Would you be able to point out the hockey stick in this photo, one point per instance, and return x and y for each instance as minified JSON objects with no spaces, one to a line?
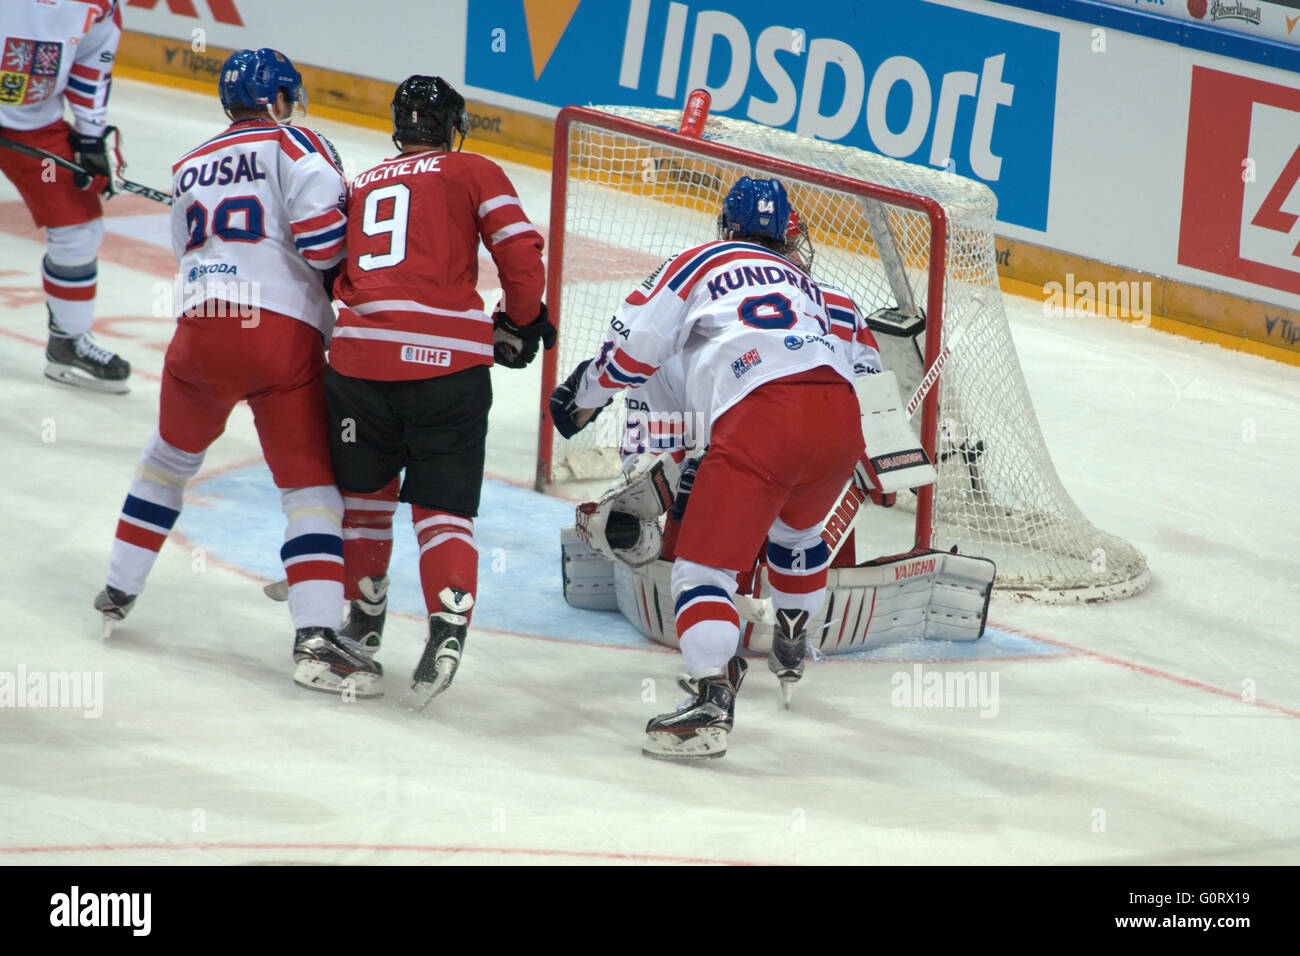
{"x":949,"y":341}
{"x":858,"y":489}
{"x":126,"y":185}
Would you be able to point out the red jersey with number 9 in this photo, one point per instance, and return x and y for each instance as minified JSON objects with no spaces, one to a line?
{"x":410,"y":304}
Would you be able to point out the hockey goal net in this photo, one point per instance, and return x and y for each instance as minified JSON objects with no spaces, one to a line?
{"x":628,"y":191}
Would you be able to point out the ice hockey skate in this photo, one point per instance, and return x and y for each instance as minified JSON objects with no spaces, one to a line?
{"x":789,"y":647}
{"x":114,"y":605}
{"x":323,"y":662}
{"x":442,"y":651}
{"x":698,"y":729}
{"x":80,"y":361}
{"x":364,"y":627}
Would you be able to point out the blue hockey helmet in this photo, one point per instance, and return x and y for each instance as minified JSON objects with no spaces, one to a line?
{"x":250,"y":79}
{"x":757,"y":208}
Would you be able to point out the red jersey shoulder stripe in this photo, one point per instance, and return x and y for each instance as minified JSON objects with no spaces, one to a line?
{"x":324,"y":220}
{"x":228,"y":138}
{"x":632,"y":365}
{"x":684,"y":287}
{"x":321,"y":148}
{"x":299,"y":142}
{"x":680,"y":261}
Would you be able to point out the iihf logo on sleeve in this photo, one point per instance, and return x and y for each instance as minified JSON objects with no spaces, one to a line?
{"x":74,"y":909}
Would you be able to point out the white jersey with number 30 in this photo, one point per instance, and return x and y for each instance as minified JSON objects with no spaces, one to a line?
{"x":739,"y":315}
{"x":258,"y":211}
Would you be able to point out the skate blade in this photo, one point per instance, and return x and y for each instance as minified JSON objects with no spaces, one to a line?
{"x":706,"y":744}
{"x":787,"y":691}
{"x":106,"y":628}
{"x":423,"y":691}
{"x":277,"y":590}
{"x":79,"y":379}
{"x":316,"y":675}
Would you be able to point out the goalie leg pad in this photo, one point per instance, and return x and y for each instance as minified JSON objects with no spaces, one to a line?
{"x":588,"y":574}
{"x":923,"y":594}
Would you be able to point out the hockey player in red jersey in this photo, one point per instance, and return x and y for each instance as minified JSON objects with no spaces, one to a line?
{"x":258,"y":217}
{"x":408,"y":383}
{"x":762,"y":364}
{"x":52,"y":51}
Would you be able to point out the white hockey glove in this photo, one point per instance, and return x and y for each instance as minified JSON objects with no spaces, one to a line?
{"x":624,"y":524}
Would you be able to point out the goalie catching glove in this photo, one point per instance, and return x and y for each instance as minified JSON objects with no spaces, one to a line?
{"x":515,"y":346}
{"x":624,"y":524}
{"x":567,"y":417}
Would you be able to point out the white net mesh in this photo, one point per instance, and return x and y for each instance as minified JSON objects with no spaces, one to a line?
{"x":630,"y":203}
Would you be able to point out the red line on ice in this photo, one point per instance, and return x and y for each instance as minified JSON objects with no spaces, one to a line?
{"x":1155,"y":672}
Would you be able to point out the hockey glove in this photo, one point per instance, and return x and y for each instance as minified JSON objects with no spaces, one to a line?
{"x":565,"y":413}
{"x":91,"y":152}
{"x":515,"y":346}
{"x":327,"y":277}
{"x":864,"y":476}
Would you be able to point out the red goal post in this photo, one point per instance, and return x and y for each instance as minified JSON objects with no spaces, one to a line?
{"x":629,"y":191}
{"x":797,"y":178}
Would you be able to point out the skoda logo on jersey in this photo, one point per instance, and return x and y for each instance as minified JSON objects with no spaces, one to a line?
{"x":217,"y":268}
{"x":793,"y":343}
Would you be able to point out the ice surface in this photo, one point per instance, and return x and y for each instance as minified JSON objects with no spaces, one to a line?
{"x":1160,"y":729}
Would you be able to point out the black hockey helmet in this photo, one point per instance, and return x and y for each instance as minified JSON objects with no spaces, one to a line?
{"x":427,"y":109}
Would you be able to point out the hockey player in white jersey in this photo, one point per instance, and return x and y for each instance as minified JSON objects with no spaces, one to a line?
{"x":52,"y":51}
{"x":658,"y":422}
{"x":774,"y":384}
{"x":257,"y":220}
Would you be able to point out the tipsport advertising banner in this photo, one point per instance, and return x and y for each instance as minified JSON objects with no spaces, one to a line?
{"x":924,"y":83}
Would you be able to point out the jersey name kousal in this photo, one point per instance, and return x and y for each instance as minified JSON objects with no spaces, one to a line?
{"x":221,"y":172}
